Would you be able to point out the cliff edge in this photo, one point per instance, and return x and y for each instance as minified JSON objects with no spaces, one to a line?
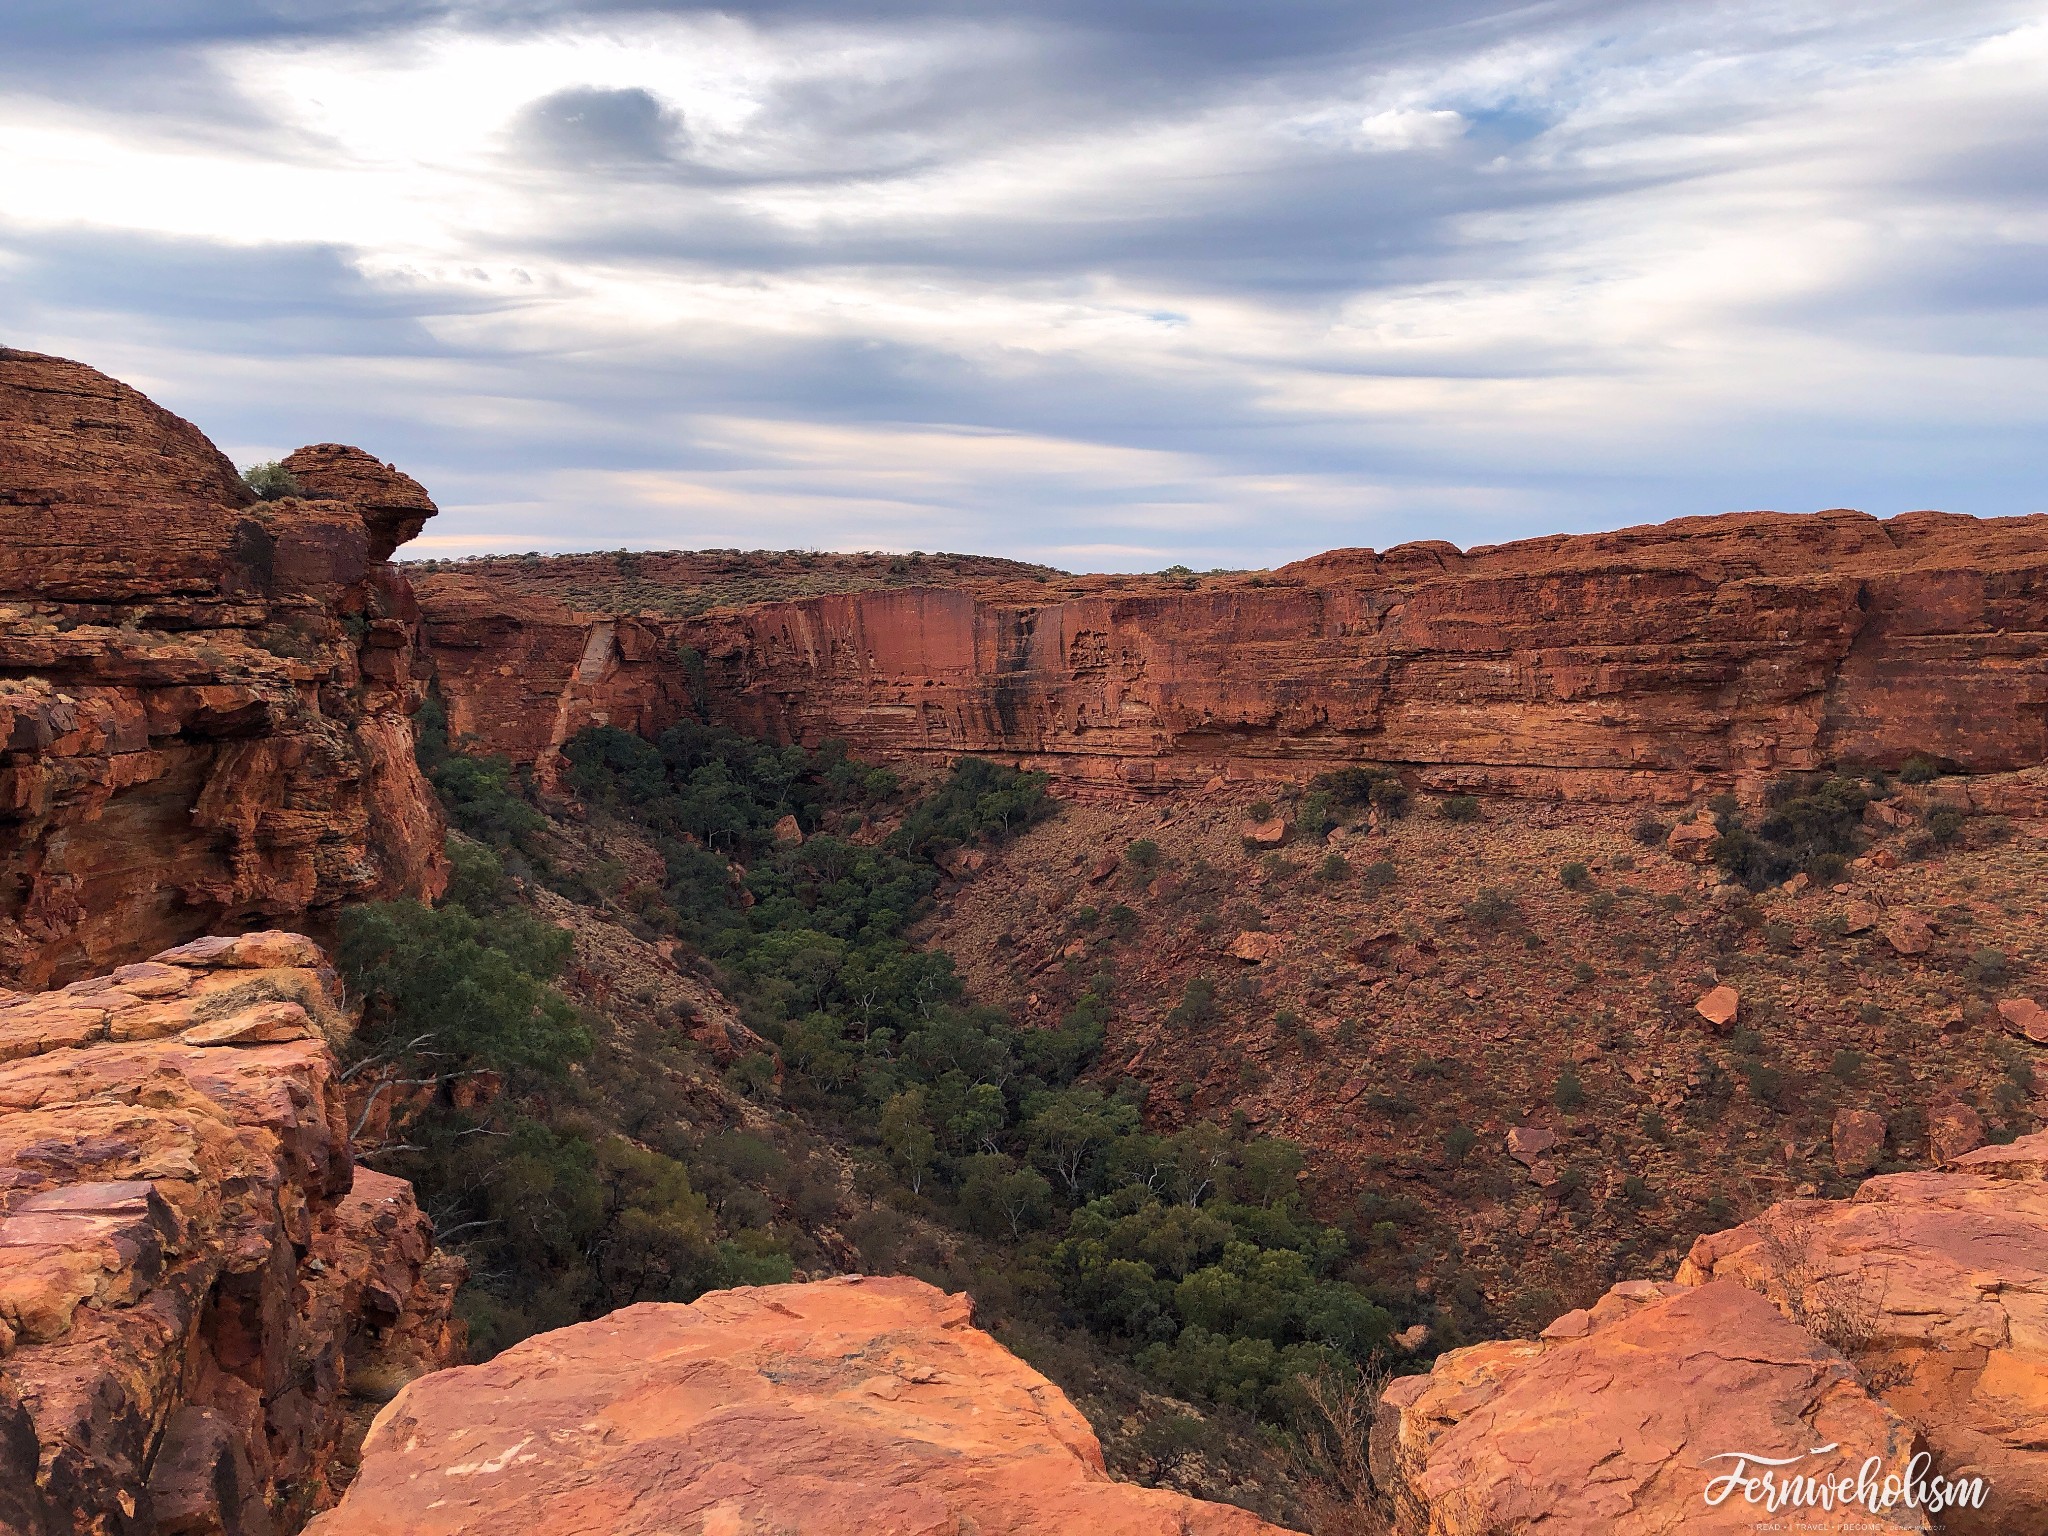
{"x":203,"y":696}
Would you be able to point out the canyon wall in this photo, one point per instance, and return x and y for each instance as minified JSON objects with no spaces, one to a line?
{"x":201,"y":1298}
{"x":203,"y":697}
{"x":1650,"y":664}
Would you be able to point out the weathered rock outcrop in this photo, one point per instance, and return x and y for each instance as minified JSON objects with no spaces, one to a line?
{"x":1936,"y":1286}
{"x":838,"y":1408}
{"x":195,"y":1283}
{"x":1652,"y":663}
{"x":1911,"y":1318}
{"x":203,"y":697}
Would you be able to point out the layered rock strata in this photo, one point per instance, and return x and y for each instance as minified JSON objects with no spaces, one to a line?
{"x":839,"y":1408}
{"x":197,"y":1288}
{"x":1825,"y":1334}
{"x":1651,"y":663}
{"x":203,"y":697}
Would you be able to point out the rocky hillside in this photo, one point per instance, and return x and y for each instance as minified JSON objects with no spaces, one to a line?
{"x":202,"y":1298}
{"x":1652,"y":664}
{"x":203,"y":696}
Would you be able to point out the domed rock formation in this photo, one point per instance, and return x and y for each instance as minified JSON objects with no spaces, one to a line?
{"x":203,"y":698}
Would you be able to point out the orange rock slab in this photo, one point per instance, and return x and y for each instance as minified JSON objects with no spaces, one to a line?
{"x":192,"y":1273}
{"x":850,"y":1407}
{"x":1613,"y":1423}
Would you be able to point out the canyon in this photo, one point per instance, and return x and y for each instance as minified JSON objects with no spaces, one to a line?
{"x":1656,"y":1166}
{"x":1652,"y":664}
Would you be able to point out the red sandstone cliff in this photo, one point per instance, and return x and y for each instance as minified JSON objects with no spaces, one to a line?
{"x":203,"y":698}
{"x":1652,"y":663}
{"x":197,"y":1288}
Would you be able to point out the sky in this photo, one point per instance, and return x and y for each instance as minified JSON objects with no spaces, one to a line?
{"x":1109,"y":284}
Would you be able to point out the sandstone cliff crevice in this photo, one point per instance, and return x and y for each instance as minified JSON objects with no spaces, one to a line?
{"x":203,"y":697}
{"x":199,"y":1292}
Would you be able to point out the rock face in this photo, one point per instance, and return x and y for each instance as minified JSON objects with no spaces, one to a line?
{"x":1654,"y":662}
{"x":203,"y":698}
{"x":1912,"y":1316}
{"x":192,"y":1275}
{"x":835,"y":1408}
{"x":1610,"y":1422}
{"x":1936,"y":1286}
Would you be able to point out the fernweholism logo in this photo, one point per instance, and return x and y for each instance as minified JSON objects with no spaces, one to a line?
{"x":1770,"y":1481}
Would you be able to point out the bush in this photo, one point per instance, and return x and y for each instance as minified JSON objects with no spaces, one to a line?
{"x":1458,"y":808}
{"x":1988,"y":967}
{"x":1492,"y":908}
{"x":1569,"y":1093}
{"x":1805,"y":828}
{"x":1380,"y":788}
{"x":1919,"y":769}
{"x":1945,"y":823}
{"x":270,"y":480}
{"x":1651,"y":832}
{"x":1575,"y":877}
{"x":1143,"y":854}
{"x":1197,"y":1005}
{"x":1459,"y":1141}
{"x":1380,"y":875}
{"x":1333,"y":868}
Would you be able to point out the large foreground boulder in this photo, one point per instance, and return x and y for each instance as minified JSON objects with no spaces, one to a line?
{"x":851,"y":1407}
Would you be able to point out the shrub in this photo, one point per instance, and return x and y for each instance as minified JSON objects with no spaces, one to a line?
{"x":1312,"y":818}
{"x":1459,"y":1141}
{"x":1575,"y":877}
{"x":1381,"y":788}
{"x":1380,"y":875}
{"x":1988,"y":967}
{"x":1569,"y":1093}
{"x":1651,"y":832}
{"x":1919,"y":769}
{"x":1492,"y":907}
{"x":1847,"y":1067}
{"x":1803,"y":828}
{"x":270,"y":480}
{"x":1945,"y":823}
{"x":1458,"y":808}
{"x":1262,"y":810}
{"x":1197,"y":1004}
{"x":1143,"y":854}
{"x":1333,"y":868}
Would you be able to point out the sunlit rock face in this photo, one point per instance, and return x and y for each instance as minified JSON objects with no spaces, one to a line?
{"x":201,"y":1297}
{"x":1650,"y":664}
{"x":203,"y":697}
{"x":839,"y":1408}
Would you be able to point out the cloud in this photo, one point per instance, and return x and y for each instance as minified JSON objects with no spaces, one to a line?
{"x":1103,"y":277}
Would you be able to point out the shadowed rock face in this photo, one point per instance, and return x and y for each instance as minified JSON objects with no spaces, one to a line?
{"x":1652,"y":663}
{"x":840,"y":1408}
{"x":203,"y":698}
{"x":192,"y":1274}
{"x":1914,"y":1315}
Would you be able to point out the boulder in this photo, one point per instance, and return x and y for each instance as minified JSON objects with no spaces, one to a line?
{"x":2025,"y":1018}
{"x":1527,"y":1143}
{"x":1270,"y":833}
{"x":1952,"y":1130}
{"x":1909,"y":933}
{"x":1253,"y":946}
{"x":849,"y":1407}
{"x":1693,"y":840}
{"x":1861,"y":916}
{"x":788,"y":834}
{"x":1617,"y":1419}
{"x":1719,"y":1007}
{"x":1858,"y":1139}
